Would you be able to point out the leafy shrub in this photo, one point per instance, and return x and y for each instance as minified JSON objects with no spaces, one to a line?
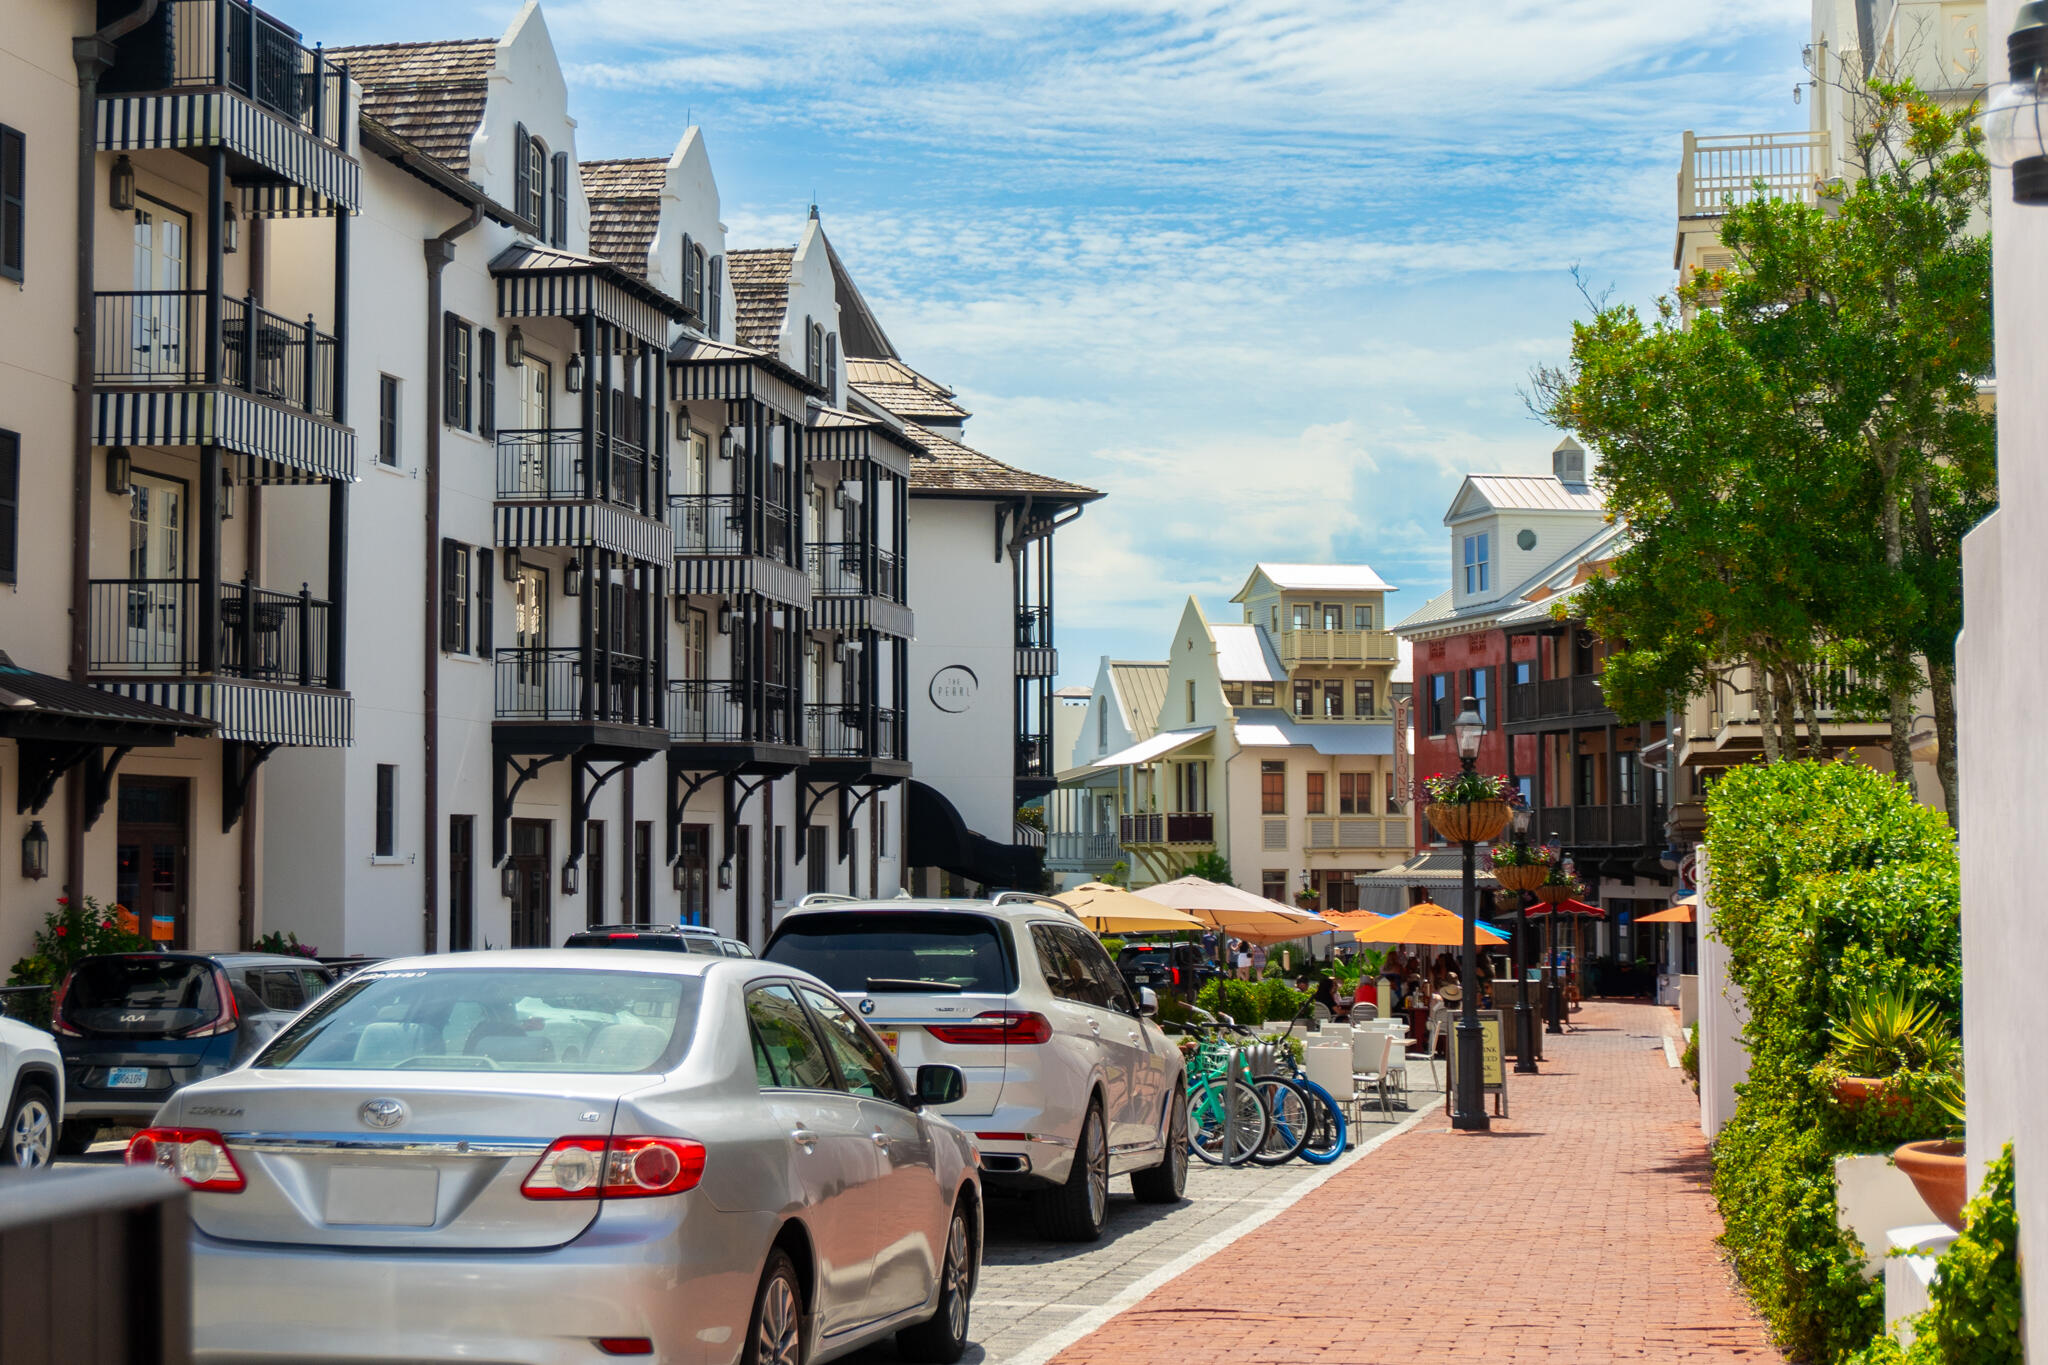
{"x":1891,"y":1030}
{"x":1241,"y":1000}
{"x":70,"y":932}
{"x":287,"y":945}
{"x":1280,"y":1000}
{"x":1829,"y":884}
{"x":1689,"y":1059}
{"x":1112,"y":946}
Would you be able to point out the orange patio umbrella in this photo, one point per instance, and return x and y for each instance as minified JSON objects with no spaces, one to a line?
{"x":1430,"y":925}
{"x":1354,"y":921}
{"x":1677,"y":914}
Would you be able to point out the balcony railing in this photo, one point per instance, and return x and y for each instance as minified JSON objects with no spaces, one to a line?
{"x":835,"y":730}
{"x":548,"y":465}
{"x":1034,"y":627}
{"x":1555,"y":697}
{"x":719,"y":712}
{"x":151,"y":626}
{"x":1718,"y":171}
{"x":1070,"y":852}
{"x":839,"y":568}
{"x":1172,"y":827}
{"x":1034,"y":756}
{"x":717,"y":524}
{"x":1299,"y":646}
{"x":547,"y":684}
{"x":229,"y":44}
{"x":1576,"y":825}
{"x":158,"y":337}
{"x":1348,"y":831}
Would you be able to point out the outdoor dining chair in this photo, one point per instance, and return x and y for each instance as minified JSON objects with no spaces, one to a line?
{"x":1376,"y":1078}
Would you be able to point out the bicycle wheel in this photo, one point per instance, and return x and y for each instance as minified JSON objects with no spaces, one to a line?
{"x":1293,"y":1120}
{"x":1221,"y":1140}
{"x":1327,"y":1129}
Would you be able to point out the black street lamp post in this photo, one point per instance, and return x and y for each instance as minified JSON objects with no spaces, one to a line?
{"x":1553,"y":995}
{"x":1525,"y":1018}
{"x":1470,"y":1114}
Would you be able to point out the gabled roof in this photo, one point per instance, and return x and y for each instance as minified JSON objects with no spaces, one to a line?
{"x":891,"y":384}
{"x":1262,"y":729}
{"x":760,"y":288}
{"x":430,"y":94}
{"x":1436,"y":609}
{"x":1316,"y":578}
{"x":1140,"y":689}
{"x":948,"y":469}
{"x":860,"y":331}
{"x":625,"y":208}
{"x":1245,"y":653}
{"x":1554,"y":579}
{"x":1521,"y":493}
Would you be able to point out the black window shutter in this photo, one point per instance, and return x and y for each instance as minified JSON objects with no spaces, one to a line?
{"x":689,"y":274}
{"x":714,"y":294}
{"x":452,"y":361}
{"x":832,"y":361}
{"x":487,"y":384}
{"x":13,"y":201}
{"x":522,"y":179}
{"x":810,"y":350}
{"x":558,"y":212}
{"x":452,"y":592}
{"x":10,"y":506}
{"x":484,"y":581}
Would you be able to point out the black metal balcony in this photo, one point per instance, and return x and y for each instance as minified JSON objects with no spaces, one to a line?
{"x":1034,"y":627}
{"x":721,"y":712}
{"x":1555,"y":699}
{"x":722,"y":524}
{"x":849,"y":730}
{"x":157,"y":337}
{"x":550,"y":465}
{"x":1034,"y":756}
{"x":1597,"y":825}
{"x":230,"y":45}
{"x":1173,"y":827}
{"x":844,"y":568}
{"x":151,"y":626}
{"x":548,"y":685}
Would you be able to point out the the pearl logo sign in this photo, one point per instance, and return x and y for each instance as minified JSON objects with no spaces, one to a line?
{"x":953,"y":688}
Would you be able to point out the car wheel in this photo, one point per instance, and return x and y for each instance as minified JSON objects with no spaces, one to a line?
{"x":943,"y":1338}
{"x":31,"y":1132}
{"x":75,"y":1136}
{"x":775,"y":1335}
{"x":1166,"y":1182}
{"x":1076,"y":1210}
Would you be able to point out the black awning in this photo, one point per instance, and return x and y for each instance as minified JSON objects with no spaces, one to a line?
{"x":936,"y":836}
{"x":36,"y":706}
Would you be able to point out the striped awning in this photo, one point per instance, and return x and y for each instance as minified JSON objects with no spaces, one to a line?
{"x":728,"y":576}
{"x":545,"y":282}
{"x":579,"y":525}
{"x":835,"y":435}
{"x":256,"y":712}
{"x":710,"y":370}
{"x":859,"y":613}
{"x":280,"y":444}
{"x":1037,"y":663}
{"x":327,"y":176}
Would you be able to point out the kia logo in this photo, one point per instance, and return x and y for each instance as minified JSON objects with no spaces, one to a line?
{"x":382,"y":1113}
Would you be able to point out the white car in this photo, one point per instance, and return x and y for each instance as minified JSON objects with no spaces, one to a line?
{"x":1068,"y":1080}
{"x":32,"y":1082}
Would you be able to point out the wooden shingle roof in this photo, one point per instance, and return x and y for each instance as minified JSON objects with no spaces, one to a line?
{"x":893,"y":385}
{"x":430,"y":94}
{"x":948,"y":469}
{"x":760,"y":287}
{"x":625,"y":208}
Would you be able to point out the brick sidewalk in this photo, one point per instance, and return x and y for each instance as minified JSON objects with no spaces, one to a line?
{"x":1580,"y":1230}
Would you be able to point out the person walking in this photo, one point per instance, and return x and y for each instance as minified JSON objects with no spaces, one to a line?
{"x":1243,"y":959}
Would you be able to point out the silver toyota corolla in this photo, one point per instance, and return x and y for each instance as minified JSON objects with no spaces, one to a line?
{"x":556,"y":1156}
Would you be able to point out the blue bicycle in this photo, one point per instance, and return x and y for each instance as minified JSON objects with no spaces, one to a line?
{"x":1307,"y":1120}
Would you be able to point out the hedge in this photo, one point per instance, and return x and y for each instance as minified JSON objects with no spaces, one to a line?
{"x":1827,"y":881}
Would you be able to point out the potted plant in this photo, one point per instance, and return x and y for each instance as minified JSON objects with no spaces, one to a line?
{"x":1467,"y":807}
{"x":1520,"y":867}
{"x":1887,"y":1032}
{"x":1307,"y":898}
{"x":1936,"y":1166}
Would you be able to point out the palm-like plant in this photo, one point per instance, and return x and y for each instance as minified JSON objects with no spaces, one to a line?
{"x":1893,"y":1030}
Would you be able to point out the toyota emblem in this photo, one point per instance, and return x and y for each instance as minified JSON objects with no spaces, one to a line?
{"x":382,"y":1113}
{"x":867,"y":1007}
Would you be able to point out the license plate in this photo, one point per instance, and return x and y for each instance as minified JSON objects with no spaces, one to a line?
{"x":127,"y":1078}
{"x":382,"y":1196}
{"x":888,"y":1038}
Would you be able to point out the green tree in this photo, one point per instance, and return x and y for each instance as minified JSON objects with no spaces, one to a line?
{"x":1211,"y":867}
{"x":1798,"y":445}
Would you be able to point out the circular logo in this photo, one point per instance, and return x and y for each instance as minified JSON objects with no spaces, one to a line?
{"x":382,"y":1113}
{"x":953,"y":688}
{"x":867,"y":1007}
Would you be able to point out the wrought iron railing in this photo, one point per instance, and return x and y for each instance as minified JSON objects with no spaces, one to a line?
{"x":547,"y":684}
{"x":230,"y":44}
{"x":1170,"y":827}
{"x":1034,"y":756}
{"x":1034,"y":627}
{"x":842,"y":730}
{"x":721,"y":712}
{"x":158,"y":336}
{"x":549,"y":465}
{"x":151,"y":626}
{"x":1555,"y":697}
{"x":718,"y":524}
{"x":839,"y":568}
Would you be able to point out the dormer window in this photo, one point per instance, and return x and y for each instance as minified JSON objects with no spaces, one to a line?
{"x":1476,"y":579}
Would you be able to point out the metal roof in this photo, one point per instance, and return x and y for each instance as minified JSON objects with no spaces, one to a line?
{"x":1527,"y":493}
{"x":1140,"y":690}
{"x":1245,"y":653}
{"x":1158,"y":746}
{"x":1317,"y":578}
{"x":1272,"y":729}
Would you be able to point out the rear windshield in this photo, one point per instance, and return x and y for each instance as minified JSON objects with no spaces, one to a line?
{"x":141,"y":995}
{"x":496,"y":1019}
{"x":849,"y":949}
{"x":626,"y":938}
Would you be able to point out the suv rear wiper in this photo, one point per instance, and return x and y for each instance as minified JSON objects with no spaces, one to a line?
{"x":898,"y":983}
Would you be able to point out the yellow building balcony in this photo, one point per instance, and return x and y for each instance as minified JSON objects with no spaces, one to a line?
{"x":1299,"y":647}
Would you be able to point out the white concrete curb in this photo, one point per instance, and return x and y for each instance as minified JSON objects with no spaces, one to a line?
{"x":1051,"y":1345}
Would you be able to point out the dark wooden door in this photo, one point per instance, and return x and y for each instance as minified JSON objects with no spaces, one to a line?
{"x":532,"y":924}
{"x":153,"y":857}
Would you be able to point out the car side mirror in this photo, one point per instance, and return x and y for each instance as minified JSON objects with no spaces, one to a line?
{"x":938,"y":1084}
{"x":1148,"y":1002}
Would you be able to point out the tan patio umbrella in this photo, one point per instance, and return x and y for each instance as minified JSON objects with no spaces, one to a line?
{"x":1231,"y":911}
{"x":1429,"y":925}
{"x":1110,"y":909}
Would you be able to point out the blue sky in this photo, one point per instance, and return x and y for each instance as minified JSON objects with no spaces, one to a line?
{"x":1271,"y":275}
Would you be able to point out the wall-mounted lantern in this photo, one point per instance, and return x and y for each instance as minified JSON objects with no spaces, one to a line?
{"x":119,"y":470}
{"x":35,"y":852}
{"x":230,"y":230}
{"x":573,"y":376}
{"x":2014,"y":123}
{"x":508,"y":879}
{"x":121,"y":185}
{"x":515,"y":348}
{"x":572,"y":579}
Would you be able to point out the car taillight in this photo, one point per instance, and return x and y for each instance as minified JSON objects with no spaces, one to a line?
{"x":615,"y":1168}
{"x":57,"y":1024}
{"x":197,"y":1156}
{"x":230,"y":1013}
{"x":619,"y":936}
{"x":996,"y":1026}
{"x":1176,"y":976}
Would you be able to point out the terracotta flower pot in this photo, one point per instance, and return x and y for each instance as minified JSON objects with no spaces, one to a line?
{"x":1853,"y":1091}
{"x":1938,"y":1172}
{"x":1526,"y":878}
{"x":1476,"y":822}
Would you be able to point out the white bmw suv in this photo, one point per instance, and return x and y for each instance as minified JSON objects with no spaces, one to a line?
{"x":1068,"y":1079}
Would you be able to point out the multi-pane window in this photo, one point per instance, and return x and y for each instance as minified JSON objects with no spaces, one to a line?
{"x":1333,"y":617}
{"x":10,"y":507}
{"x":1477,"y":687}
{"x":1361,"y":616}
{"x":1262,"y":694}
{"x":455,"y":372}
{"x":387,"y":420}
{"x":1304,"y":699}
{"x":1439,"y":703}
{"x":13,"y":202}
{"x":1273,"y":788}
{"x":1273,"y":883}
{"x":693,"y":872}
{"x":1628,"y":781}
{"x":1102,"y":727}
{"x":1587,"y":779}
{"x":1191,"y":701}
{"x":455,"y":604}
{"x":1523,"y":670}
{"x":1316,"y":782}
{"x":1302,"y":616}
{"x":1354,"y":793}
{"x":1476,"y":567}
{"x":536,"y":205}
{"x":387,"y":811}
{"x":1333,"y":699}
{"x":1362,"y":697}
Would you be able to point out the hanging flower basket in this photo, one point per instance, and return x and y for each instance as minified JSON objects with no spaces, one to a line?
{"x":1554,"y":893}
{"x":1520,"y":877}
{"x":1468,"y":822}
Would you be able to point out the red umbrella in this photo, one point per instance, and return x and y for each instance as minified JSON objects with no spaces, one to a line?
{"x":1565,"y":907}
